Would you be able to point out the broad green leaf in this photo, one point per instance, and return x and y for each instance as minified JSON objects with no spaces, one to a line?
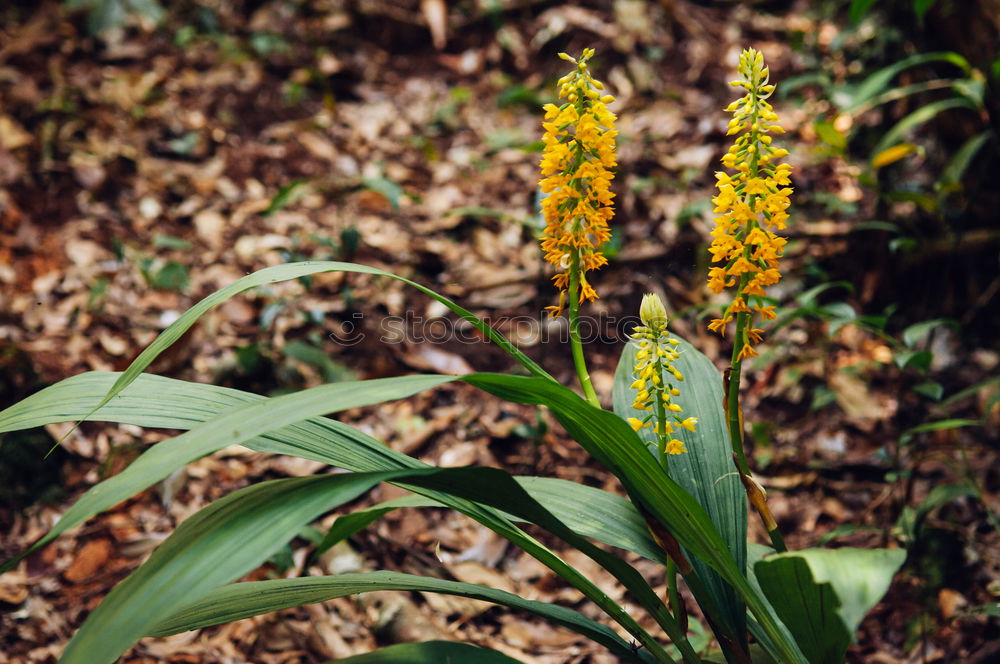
{"x":610,"y":440}
{"x":706,"y":470}
{"x":430,"y":652}
{"x":222,"y":542}
{"x":233,"y":427}
{"x":242,"y":600}
{"x":288,"y":272}
{"x":823,"y":594}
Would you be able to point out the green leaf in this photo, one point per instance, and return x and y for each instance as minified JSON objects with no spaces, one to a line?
{"x":430,"y":652}
{"x":921,"y":7}
{"x":589,"y":511}
{"x":288,"y":272}
{"x":242,"y":600}
{"x":706,"y":470}
{"x":859,"y":8}
{"x":919,"y":117}
{"x":353,"y":523}
{"x":613,"y":443}
{"x":952,"y":174}
{"x":222,"y":542}
{"x":908,"y":525}
{"x":849,"y":98}
{"x":830,"y":135}
{"x":497,"y":489}
{"x":233,"y":427}
{"x":939,"y":425}
{"x":286,"y":195}
{"x":991,"y":609}
{"x":823,"y":594}
{"x":916,"y":333}
{"x":153,"y":401}
{"x":388,"y":188}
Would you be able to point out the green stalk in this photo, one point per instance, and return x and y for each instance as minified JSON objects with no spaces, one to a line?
{"x":579,"y":361}
{"x":676,"y":603}
{"x":661,"y":423}
{"x":734,"y":414}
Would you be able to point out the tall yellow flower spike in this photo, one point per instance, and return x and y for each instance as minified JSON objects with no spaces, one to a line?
{"x":579,"y":153}
{"x":752,"y":204}
{"x":655,"y":375}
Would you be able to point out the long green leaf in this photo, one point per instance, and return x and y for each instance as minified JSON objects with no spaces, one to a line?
{"x":917,"y":118}
{"x":234,"y":426}
{"x":288,"y":272}
{"x":242,"y":600}
{"x":610,"y":440}
{"x":222,"y":542}
{"x":706,"y":470}
{"x":431,"y":652}
{"x":850,"y":97}
{"x":167,"y":403}
{"x":588,"y":511}
{"x":321,"y":439}
{"x":498,"y":489}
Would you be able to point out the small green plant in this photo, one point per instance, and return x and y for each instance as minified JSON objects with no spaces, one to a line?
{"x":674,"y":440}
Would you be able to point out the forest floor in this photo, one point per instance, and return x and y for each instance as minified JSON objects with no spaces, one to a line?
{"x":140,"y":172}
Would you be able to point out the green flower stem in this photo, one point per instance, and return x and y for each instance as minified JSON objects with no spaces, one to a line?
{"x":661,"y":424}
{"x":676,"y":603}
{"x":579,"y":361}
{"x":735,"y":422}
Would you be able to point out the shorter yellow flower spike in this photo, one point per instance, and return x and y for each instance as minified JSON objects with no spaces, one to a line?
{"x":655,"y":374}
{"x":577,"y":164}
{"x":751,"y":205}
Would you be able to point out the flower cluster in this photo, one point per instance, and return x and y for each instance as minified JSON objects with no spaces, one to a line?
{"x":576,"y":178}
{"x":654,"y":368}
{"x":752,"y":204}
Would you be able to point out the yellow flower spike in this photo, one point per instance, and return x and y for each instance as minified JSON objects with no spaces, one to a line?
{"x":751,"y":205}
{"x":653,"y":371}
{"x":576,"y":176}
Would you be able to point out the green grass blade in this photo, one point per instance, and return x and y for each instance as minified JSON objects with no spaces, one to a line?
{"x":242,"y":600}
{"x":706,"y":470}
{"x":222,"y":542}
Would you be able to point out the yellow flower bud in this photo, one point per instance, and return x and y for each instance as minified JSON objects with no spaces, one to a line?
{"x":652,"y":313}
